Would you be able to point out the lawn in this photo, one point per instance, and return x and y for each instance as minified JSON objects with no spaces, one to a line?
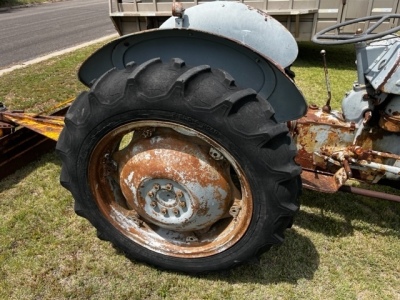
{"x":341,"y":246}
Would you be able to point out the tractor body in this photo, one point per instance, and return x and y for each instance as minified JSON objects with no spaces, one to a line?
{"x":361,"y":142}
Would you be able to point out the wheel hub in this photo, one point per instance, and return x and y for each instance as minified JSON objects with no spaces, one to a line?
{"x":166,"y":201}
{"x":175,"y":183}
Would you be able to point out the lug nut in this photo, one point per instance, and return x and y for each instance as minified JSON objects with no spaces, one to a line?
{"x":191,"y":238}
{"x":182,"y":204}
{"x":164,"y":211}
{"x":176,"y":211}
{"x":146,"y":133}
{"x":156,"y":186}
{"x":153,"y":204}
{"x":168,"y":186}
{"x":215,"y":154}
{"x":150,"y":194}
{"x":179,"y":194}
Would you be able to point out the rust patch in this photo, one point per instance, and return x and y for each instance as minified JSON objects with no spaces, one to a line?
{"x":390,"y":123}
{"x":168,"y":156}
{"x":317,"y":116}
{"x":5,"y":128}
{"x":304,"y":158}
{"x":49,"y":126}
{"x":22,"y":146}
{"x":318,"y":182}
{"x":207,"y":240}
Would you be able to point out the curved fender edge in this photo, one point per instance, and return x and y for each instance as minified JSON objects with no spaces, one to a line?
{"x":250,"y":68}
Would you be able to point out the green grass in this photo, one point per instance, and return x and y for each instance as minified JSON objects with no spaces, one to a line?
{"x":341,"y":246}
{"x":42,"y":86}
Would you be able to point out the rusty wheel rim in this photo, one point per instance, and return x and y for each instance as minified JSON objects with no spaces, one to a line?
{"x":170,"y":189}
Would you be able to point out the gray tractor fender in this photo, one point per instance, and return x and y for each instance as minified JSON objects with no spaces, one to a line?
{"x":249,"y":68}
{"x":243,"y":23}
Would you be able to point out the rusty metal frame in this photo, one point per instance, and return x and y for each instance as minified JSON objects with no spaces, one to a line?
{"x":21,"y":144}
{"x":48,"y":126}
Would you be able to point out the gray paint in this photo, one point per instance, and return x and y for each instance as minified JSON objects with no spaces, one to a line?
{"x":247,"y":25}
{"x":382,"y":73}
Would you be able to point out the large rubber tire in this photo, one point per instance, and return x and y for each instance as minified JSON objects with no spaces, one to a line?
{"x":197,"y":114}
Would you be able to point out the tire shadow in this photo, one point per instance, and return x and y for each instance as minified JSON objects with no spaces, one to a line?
{"x":296,"y":259}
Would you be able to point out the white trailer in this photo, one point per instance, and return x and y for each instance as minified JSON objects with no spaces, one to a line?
{"x":303,"y":18}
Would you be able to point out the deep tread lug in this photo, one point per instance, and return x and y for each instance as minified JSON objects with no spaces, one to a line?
{"x":178,"y":63}
{"x":193,"y":72}
{"x":142,"y":68}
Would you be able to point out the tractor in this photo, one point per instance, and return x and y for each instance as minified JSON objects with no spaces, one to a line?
{"x":190,"y":150}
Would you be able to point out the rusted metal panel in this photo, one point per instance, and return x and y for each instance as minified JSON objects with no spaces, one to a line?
{"x":5,"y":128}
{"x":335,"y":150}
{"x":390,"y":123}
{"x":318,"y":181}
{"x":19,"y":148}
{"x":49,"y":126}
{"x":319,"y":131}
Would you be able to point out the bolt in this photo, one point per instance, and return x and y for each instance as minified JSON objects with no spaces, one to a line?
{"x":156,"y":186}
{"x":191,"y":238}
{"x":168,"y":186}
{"x":150,"y":194}
{"x":234,"y":211}
{"x":164,"y":211}
{"x":182,"y":204}
{"x":153,"y":204}
{"x":146,"y":133}
{"x":179,"y":194}
{"x":215,"y":154}
{"x":176,"y":211}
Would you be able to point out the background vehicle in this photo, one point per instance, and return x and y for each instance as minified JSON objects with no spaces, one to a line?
{"x":177,"y":164}
{"x":303,"y":18}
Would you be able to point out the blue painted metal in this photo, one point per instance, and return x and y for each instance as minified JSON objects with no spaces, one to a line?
{"x":250,"y":68}
{"x":383,"y":72}
{"x":354,"y":105}
{"x":245,"y":24}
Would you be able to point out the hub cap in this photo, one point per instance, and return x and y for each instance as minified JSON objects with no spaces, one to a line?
{"x":170,"y":189}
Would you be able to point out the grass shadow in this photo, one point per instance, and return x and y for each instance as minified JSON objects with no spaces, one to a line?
{"x":13,"y":179}
{"x":346,"y":213}
{"x":338,"y":57}
{"x":297,"y":258}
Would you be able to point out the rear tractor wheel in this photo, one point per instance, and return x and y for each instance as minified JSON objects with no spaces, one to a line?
{"x":178,"y":167}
